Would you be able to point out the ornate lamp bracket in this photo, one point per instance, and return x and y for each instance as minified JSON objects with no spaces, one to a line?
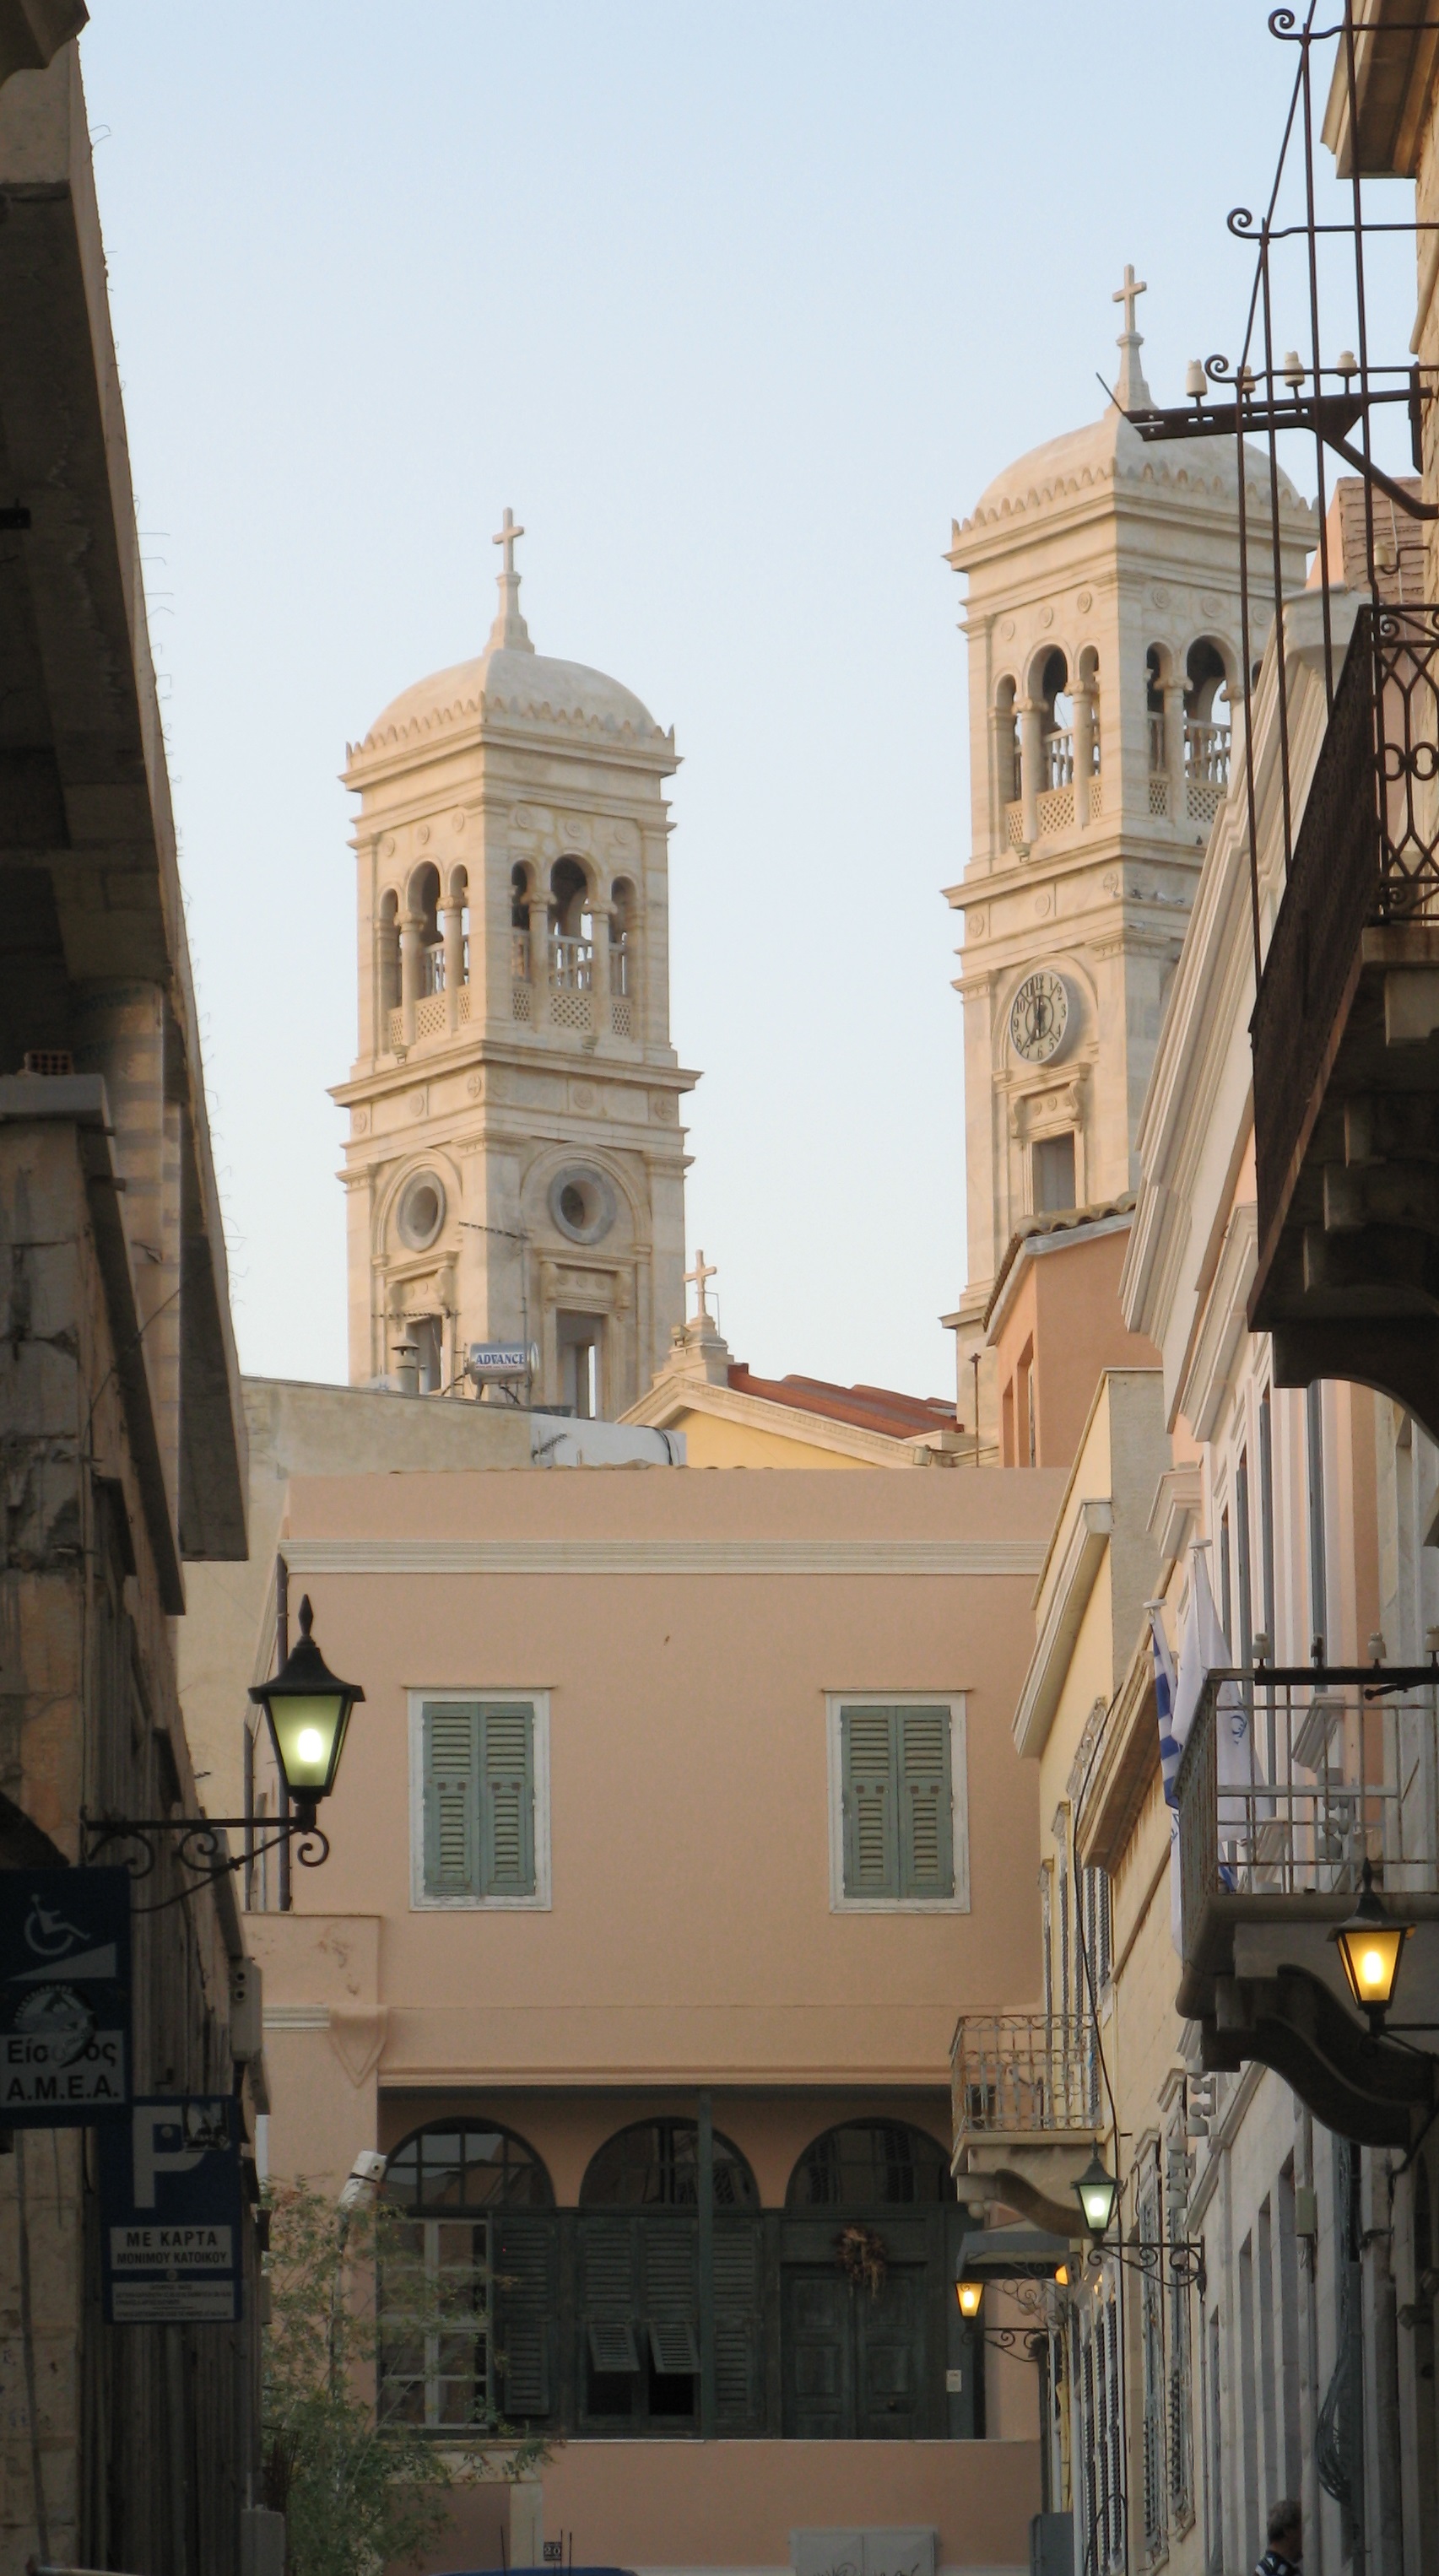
{"x":199,"y":1845}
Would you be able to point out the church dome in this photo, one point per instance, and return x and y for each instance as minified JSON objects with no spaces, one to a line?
{"x":501,"y":681}
{"x":511,"y":680}
{"x":1110,"y":451}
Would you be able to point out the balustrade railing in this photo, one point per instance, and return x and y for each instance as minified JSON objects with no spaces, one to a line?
{"x":519,"y":956}
{"x":1057,"y":760}
{"x":571,"y":965}
{"x":432,"y":966}
{"x":1206,"y":754}
{"x":1032,"y":2074}
{"x":1158,"y":757}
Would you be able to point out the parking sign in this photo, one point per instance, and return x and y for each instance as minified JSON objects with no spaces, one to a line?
{"x":171,"y":2212}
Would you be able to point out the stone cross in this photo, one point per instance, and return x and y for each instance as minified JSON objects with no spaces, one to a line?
{"x":509,"y":531}
{"x":1128,"y":295}
{"x":701,"y":1274}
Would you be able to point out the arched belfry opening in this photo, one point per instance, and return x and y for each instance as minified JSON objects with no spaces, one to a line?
{"x":513,"y":858}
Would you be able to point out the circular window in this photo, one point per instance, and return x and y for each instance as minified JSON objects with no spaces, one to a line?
{"x":421,"y":1211}
{"x":582,"y":1203}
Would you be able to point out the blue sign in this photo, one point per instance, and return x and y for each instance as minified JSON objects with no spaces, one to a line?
{"x":64,"y":1997}
{"x":171,"y":2213}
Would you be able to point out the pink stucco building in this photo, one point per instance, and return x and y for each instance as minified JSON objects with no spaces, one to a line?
{"x":681,"y":1817}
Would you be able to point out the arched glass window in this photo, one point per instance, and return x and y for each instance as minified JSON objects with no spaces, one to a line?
{"x":445,"y":2191}
{"x":655,"y":2165}
{"x":452,"y":2165}
{"x":871,"y":2164}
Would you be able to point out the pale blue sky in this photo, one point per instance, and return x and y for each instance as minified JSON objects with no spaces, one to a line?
{"x":737,"y":307}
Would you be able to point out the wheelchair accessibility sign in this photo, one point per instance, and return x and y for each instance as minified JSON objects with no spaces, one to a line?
{"x":171,"y":2213}
{"x":64,"y":1997}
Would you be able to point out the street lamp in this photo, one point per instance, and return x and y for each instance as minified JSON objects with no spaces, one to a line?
{"x":308,"y":1709}
{"x":1096,"y":2192}
{"x":1370,"y":1946}
{"x":969,"y":2295}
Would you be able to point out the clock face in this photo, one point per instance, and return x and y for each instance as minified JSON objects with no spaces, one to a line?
{"x":1039,"y":1016}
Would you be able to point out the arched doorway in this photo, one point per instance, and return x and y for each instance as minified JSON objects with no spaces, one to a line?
{"x":872,"y":2344}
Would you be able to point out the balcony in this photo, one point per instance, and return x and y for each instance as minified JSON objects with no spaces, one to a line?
{"x":1346,"y":1040}
{"x":1284,"y":1791}
{"x":1025,"y":2092}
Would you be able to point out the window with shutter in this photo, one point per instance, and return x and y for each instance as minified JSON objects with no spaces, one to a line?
{"x":479,"y":1799}
{"x":524,"y":2263}
{"x":897,"y":1802}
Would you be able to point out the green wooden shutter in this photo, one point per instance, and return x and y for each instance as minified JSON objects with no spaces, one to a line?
{"x":871,"y":1838}
{"x":739,"y":2326}
{"x":509,"y":1801}
{"x":926,"y":1835}
{"x":452,"y":1771}
{"x":524,"y":2270}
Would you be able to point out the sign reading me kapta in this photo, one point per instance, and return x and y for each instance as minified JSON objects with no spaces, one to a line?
{"x":64,"y":1997}
{"x":171,"y":2212}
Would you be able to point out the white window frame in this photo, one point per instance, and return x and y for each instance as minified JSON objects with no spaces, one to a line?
{"x":956,"y":1703}
{"x":421,"y":1901}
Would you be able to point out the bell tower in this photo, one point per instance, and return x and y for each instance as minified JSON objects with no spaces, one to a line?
{"x":1103,"y":622}
{"x":515,"y":1162}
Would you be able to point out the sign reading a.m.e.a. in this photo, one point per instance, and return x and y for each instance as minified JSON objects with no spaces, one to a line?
{"x":64,"y":1997}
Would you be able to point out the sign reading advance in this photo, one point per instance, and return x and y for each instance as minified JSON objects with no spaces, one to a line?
{"x":170,"y":2213}
{"x":64,"y":1996}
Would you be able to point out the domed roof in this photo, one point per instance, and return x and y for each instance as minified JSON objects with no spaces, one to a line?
{"x":526,"y":684}
{"x":510,"y":679}
{"x":1110,"y":450}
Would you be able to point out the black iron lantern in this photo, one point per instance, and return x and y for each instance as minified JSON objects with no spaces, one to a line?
{"x":1097,"y":2192}
{"x":1371,"y":1946}
{"x":308,"y":1709}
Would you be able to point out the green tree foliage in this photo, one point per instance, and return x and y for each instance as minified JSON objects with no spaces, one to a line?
{"x":355,"y":2495}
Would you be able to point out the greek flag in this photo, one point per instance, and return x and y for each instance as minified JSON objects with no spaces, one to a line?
{"x":1170,"y":1748}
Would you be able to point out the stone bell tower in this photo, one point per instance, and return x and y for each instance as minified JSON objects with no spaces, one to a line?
{"x":1103,"y":621}
{"x":515,"y":1162}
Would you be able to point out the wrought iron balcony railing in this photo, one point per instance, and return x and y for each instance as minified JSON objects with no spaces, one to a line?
{"x":1289,"y":1785}
{"x":1024,"y":2075}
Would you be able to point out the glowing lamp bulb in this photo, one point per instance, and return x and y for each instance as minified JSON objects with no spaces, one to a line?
{"x":969,"y":2295}
{"x":310,"y":1744}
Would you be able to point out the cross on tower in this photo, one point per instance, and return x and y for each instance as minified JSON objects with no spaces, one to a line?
{"x":509,"y":532}
{"x":1128,"y":295}
{"x":701,"y":1274}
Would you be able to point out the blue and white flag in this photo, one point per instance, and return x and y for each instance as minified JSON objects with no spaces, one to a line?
{"x":1170,"y":1749}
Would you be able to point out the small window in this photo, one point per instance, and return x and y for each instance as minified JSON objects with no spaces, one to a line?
{"x":482,"y":1825}
{"x":898,"y":1835}
{"x":1054,"y":1183}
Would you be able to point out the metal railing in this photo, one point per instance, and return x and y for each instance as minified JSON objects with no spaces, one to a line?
{"x":1289,"y":1785}
{"x":571,"y":965}
{"x":432,"y":967}
{"x":1366,"y":852}
{"x":1024,"y":2073}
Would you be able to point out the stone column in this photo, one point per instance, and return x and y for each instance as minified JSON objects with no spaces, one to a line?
{"x":1174,"y":746}
{"x":452,"y":926}
{"x":600,"y":966}
{"x":1031,"y":754}
{"x":1083,"y":753}
{"x":539,"y":911}
{"x":412,"y":931}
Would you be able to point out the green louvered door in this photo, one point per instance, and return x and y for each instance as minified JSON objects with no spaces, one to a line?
{"x":739,"y":2325}
{"x":524,"y":2264}
{"x":898,"y":1802}
{"x":479,"y":1793}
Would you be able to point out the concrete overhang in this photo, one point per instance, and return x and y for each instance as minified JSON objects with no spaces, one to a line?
{"x":85,"y":819}
{"x":1074,"y":1580}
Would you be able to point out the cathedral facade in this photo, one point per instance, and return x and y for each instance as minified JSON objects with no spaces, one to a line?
{"x":515,"y":1160}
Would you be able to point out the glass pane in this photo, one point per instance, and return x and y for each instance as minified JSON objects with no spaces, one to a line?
{"x":871,"y":2164}
{"x":450,"y":2167}
{"x":654,"y":2165}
